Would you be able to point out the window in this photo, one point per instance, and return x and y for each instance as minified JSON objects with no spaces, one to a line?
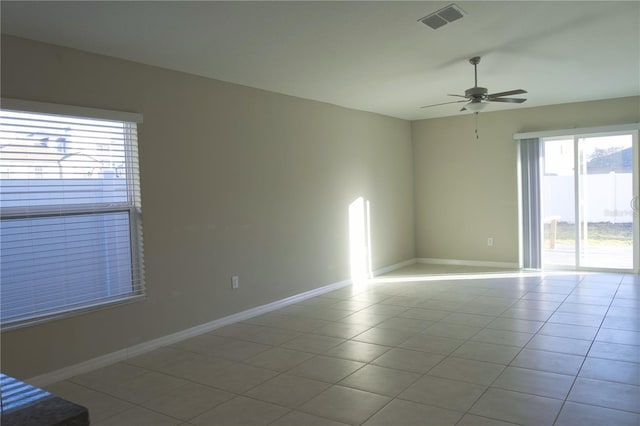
{"x":70,"y":216}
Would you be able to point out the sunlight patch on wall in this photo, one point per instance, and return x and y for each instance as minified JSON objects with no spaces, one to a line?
{"x":360,"y":240}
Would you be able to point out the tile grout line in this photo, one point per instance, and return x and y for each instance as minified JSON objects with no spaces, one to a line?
{"x":564,"y":402}
{"x":545,"y":322}
{"x":380,"y":298}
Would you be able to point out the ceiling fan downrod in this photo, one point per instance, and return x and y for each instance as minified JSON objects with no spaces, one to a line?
{"x":475,"y":61}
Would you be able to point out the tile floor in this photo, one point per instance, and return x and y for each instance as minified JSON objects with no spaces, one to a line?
{"x":411,"y":348}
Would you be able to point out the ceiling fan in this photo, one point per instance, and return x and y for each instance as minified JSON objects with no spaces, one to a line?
{"x":477,"y":98}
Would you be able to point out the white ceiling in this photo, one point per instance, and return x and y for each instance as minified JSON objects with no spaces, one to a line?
{"x":371,"y":56}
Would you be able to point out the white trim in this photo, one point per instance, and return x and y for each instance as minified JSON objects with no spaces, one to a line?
{"x":75,"y":111}
{"x":578,"y":204}
{"x":636,"y":193}
{"x":432,"y":261}
{"x":139,"y":349}
{"x":520,"y":209}
{"x":67,"y":313}
{"x":578,"y":131}
{"x":393,"y":267}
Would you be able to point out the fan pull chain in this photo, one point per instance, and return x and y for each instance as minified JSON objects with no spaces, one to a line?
{"x":477,"y":137}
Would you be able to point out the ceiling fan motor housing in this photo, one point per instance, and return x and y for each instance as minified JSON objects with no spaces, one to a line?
{"x":475,"y":93}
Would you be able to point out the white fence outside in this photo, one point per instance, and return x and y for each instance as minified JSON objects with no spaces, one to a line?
{"x":608,"y":198}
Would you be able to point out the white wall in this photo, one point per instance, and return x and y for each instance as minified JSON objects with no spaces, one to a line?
{"x":242,"y":181}
{"x":467,"y":189}
{"x":234,"y":180}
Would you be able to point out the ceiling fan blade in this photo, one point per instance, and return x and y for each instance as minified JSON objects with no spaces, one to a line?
{"x":443,"y":103}
{"x":508,"y":100}
{"x":508,"y":93}
{"x":459,"y":96}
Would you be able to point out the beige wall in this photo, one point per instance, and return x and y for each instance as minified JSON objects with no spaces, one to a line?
{"x":234,"y":181}
{"x":242,"y":181}
{"x":466,"y":189}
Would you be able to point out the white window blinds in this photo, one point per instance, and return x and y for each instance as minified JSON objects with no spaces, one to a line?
{"x":70,"y":228}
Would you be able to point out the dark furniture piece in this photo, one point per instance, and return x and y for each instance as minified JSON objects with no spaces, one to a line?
{"x":26,"y":405}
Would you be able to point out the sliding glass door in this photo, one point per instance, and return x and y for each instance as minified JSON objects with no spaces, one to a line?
{"x":588,"y":201}
{"x":558,"y":203}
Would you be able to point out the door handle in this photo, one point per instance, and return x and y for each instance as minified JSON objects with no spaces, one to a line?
{"x":634,"y":203}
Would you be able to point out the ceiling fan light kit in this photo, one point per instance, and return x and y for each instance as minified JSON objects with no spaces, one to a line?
{"x":477,"y":98}
{"x":475,"y":106}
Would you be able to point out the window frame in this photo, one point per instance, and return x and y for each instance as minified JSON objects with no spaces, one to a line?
{"x":575,"y":134}
{"x":133,"y":208}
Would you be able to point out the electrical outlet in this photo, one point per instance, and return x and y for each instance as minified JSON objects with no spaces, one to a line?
{"x":490,"y":242}
{"x":234,"y":282}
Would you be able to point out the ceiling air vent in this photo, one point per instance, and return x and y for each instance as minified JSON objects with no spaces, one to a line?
{"x":443,"y":16}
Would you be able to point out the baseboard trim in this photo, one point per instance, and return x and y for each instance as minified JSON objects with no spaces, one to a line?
{"x":141,"y":348}
{"x":73,"y":370}
{"x":393,"y":267}
{"x":458,"y":262}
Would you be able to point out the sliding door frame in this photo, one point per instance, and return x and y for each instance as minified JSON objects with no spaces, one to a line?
{"x":577,"y":134}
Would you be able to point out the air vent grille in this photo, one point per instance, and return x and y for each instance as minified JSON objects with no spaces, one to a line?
{"x":434,"y":21}
{"x":443,"y":16}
